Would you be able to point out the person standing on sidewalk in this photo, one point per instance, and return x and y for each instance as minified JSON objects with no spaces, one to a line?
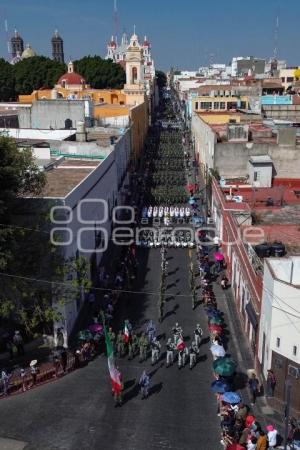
{"x":272,"y":437}
{"x":262,"y":441}
{"x":271,"y":383}
{"x":254,"y":387}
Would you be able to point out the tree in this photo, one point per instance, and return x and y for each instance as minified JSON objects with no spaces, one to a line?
{"x":161,"y":79}
{"x":35,"y":73}
{"x":101,"y":73}
{"x":7,"y":81}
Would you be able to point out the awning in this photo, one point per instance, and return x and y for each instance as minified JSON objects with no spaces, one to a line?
{"x":251,"y":314}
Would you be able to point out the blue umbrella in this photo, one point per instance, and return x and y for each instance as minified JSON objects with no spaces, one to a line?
{"x":219,"y":387}
{"x":231,"y":397}
{"x":213,"y":313}
{"x":192,"y":201}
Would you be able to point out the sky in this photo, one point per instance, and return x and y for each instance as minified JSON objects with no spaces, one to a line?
{"x":184,"y":34}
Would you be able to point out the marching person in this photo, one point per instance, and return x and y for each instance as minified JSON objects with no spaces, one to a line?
{"x":177,"y":332}
{"x":112,"y":337}
{"x":143,"y":347}
{"x":120,"y":344}
{"x":198,"y":333}
{"x":144,"y":384}
{"x":155,"y":350}
{"x":193,"y":351}
{"x":182,"y":354}
{"x":170,"y":352}
{"x":150,"y":330}
{"x":132,"y":346}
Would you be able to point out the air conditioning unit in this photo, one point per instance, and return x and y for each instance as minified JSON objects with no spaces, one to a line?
{"x":237,"y":198}
{"x":210,"y":221}
{"x":293,"y":371}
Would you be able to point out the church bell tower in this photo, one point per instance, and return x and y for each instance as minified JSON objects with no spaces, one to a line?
{"x":57,"y":48}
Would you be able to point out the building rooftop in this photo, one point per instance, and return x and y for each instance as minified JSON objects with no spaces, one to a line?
{"x":280,"y":221}
{"x":66,"y":175}
{"x":32,"y":133}
{"x":261,"y":159}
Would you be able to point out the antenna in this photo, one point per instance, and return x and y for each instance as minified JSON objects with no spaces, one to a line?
{"x":276,"y":37}
{"x":7,"y":39}
{"x":116,"y":20}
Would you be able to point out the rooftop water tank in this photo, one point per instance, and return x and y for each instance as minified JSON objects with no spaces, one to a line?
{"x":263,"y":250}
{"x":278,"y":249}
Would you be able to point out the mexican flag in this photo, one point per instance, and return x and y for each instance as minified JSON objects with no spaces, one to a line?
{"x":115,"y":375}
{"x":126,"y":334}
{"x":180,"y":344}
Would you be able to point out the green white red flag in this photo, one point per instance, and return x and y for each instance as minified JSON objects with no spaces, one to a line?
{"x":115,"y":375}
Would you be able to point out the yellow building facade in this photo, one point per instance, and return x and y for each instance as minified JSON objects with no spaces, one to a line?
{"x":219,"y":103}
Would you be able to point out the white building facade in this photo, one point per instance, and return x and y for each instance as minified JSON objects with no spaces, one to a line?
{"x":279,"y":335}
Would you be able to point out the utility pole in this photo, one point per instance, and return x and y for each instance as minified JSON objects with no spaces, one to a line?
{"x":287,"y":412}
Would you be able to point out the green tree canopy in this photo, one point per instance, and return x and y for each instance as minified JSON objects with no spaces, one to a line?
{"x":7,"y":81}
{"x":35,"y":73}
{"x":101,"y":73}
{"x":161,"y":79}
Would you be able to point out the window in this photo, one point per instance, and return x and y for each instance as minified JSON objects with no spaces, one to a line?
{"x":289,"y":79}
{"x":206,"y":105}
{"x":283,"y":79}
{"x":222,"y":105}
{"x":277,"y":342}
{"x":294,"y":350}
{"x":196,"y":105}
{"x":256,"y":175}
{"x":101,"y":99}
{"x":216,"y":105}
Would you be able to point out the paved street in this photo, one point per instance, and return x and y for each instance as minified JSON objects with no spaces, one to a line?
{"x":77,"y":412}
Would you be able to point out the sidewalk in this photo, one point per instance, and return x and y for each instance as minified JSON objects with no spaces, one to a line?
{"x":265,"y":410}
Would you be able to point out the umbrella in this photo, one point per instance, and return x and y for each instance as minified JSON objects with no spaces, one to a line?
{"x":219,"y":256}
{"x":190,"y":187}
{"x":215,"y":328}
{"x":213,"y":313}
{"x":215,"y":320}
{"x":84,"y":335}
{"x":231,"y":397}
{"x":219,"y":387}
{"x":96,"y":328}
{"x":235,"y":446}
{"x":33,"y":363}
{"x":218,"y":350}
{"x":192,"y":201}
{"x":224,"y":366}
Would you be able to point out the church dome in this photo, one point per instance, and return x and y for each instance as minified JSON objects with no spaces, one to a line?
{"x":71,"y":77}
{"x":28,"y":52}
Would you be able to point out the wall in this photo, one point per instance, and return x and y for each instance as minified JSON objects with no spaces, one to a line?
{"x":204,"y":139}
{"x":283,"y":112}
{"x":280,"y":319}
{"x":103,"y":183}
{"x":101,"y":111}
{"x":219,"y":119}
{"x":231,"y":159}
{"x":140,"y":124}
{"x":47,"y":114}
{"x":109,"y":96}
{"x":276,"y":100}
